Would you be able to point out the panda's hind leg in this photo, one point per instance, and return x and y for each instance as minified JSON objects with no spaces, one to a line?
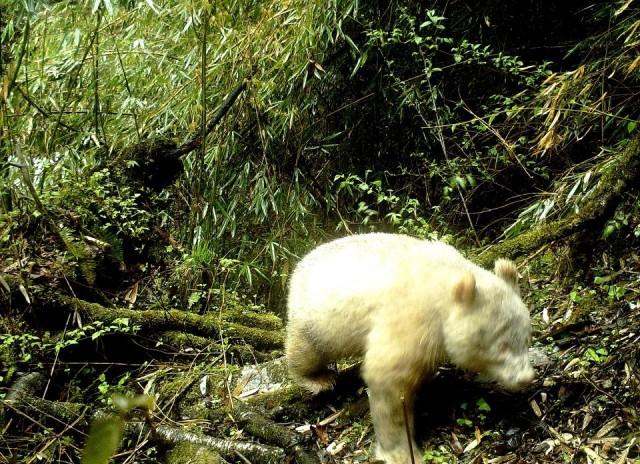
{"x":307,"y":364}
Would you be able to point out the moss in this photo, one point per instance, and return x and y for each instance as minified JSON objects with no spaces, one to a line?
{"x":612,"y":184}
{"x":237,"y":353}
{"x":188,"y":453}
{"x":184,"y":389}
{"x":291,"y":403}
{"x":256,"y":337}
{"x":265,"y":321}
{"x":157,"y":321}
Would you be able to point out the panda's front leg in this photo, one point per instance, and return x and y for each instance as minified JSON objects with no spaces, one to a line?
{"x":392,"y":383}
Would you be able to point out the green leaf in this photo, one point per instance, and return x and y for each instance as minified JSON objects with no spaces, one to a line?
{"x":121,"y":321}
{"x":609,"y":229}
{"x":153,"y":7}
{"x":483,"y":405}
{"x":461,"y":181}
{"x":616,"y":292}
{"x":464,"y":422}
{"x":471,"y":180}
{"x":107,"y":4}
{"x":599,"y":280}
{"x":591,"y":355}
{"x":103,"y":441}
{"x":575,"y":297}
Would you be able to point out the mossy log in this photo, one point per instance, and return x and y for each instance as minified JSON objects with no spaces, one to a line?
{"x":61,"y":412}
{"x":294,"y":403}
{"x":27,"y":384}
{"x":188,"y":453}
{"x":229,"y":449}
{"x":66,"y":413}
{"x":22,"y":389}
{"x":261,"y":427}
{"x":237,"y":352}
{"x":211,"y":325}
{"x":614,"y":181}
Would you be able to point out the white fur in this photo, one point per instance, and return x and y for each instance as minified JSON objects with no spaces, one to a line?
{"x":406,"y":305}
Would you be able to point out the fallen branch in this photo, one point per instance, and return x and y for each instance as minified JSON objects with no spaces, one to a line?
{"x":261,"y":427}
{"x":188,"y":453}
{"x":25,"y":387}
{"x":614,"y":181}
{"x":209,"y":325}
{"x":27,"y":384}
{"x":74,"y":413}
{"x":237,"y":352}
{"x":229,"y":449}
{"x":37,"y":409}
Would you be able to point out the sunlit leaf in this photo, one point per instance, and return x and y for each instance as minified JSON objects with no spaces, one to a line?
{"x":153,"y":6}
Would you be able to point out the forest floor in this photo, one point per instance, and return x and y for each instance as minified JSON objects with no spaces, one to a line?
{"x":583,"y":406}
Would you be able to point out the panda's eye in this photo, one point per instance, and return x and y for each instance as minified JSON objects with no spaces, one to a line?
{"x":503,"y":348}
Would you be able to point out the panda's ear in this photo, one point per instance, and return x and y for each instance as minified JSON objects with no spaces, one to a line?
{"x":464,"y":290}
{"x":507,"y":271}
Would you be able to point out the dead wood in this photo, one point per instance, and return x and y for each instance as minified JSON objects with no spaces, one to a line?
{"x":213,"y":325}
{"x":157,"y":162}
{"x":25,"y":387}
{"x":38,"y":409}
{"x":75,"y":414}
{"x":196,"y":140}
{"x":188,"y":453}
{"x":236,"y":353}
{"x":622,"y":173}
{"x":229,"y":449}
{"x":27,"y":384}
{"x":261,"y":427}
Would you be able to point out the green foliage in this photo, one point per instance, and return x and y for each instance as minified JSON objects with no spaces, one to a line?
{"x":614,"y":224}
{"x":437,"y":456}
{"x":28,"y":347}
{"x":243,"y":208}
{"x":189,"y":285}
{"x":575,"y":296}
{"x":482,"y":405}
{"x":609,"y":284}
{"x":109,"y":391}
{"x":567,"y":196}
{"x":101,"y":205}
{"x":464,"y":422}
{"x":377,"y":207}
{"x":596,"y":355}
{"x":106,"y":433}
{"x":442,"y":59}
{"x":398,"y":117}
{"x":472,"y":416}
{"x":298,"y":155}
{"x":24,"y":345}
{"x":574,"y":102}
{"x":263,"y":188}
